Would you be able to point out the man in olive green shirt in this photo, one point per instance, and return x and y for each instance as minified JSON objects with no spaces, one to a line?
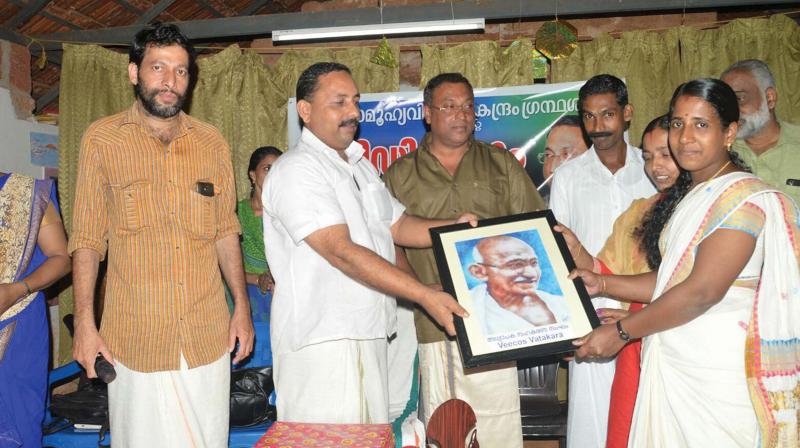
{"x":770,"y":147}
{"x":452,"y":173}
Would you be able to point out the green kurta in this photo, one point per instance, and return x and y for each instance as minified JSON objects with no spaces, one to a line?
{"x":779,"y":163}
{"x":489,"y":182}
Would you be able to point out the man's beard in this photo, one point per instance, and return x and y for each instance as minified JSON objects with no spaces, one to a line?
{"x":148,"y":99}
{"x":753,"y":123}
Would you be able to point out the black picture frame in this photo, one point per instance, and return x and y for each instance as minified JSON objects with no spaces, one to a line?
{"x":559,"y":312}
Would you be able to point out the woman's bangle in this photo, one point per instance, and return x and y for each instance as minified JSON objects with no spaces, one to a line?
{"x":603,"y":283}
{"x":28,"y":290}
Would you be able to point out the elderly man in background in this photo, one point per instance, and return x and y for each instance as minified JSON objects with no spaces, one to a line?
{"x":770,"y":147}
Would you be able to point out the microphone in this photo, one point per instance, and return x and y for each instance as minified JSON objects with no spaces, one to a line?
{"x":105,"y":371}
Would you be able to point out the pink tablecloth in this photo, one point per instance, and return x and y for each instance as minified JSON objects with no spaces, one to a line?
{"x":287,"y":435}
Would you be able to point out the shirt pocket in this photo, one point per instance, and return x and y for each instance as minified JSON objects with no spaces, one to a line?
{"x":130,"y":206}
{"x":200,"y":221}
{"x":487,"y":199}
{"x":377,"y":202}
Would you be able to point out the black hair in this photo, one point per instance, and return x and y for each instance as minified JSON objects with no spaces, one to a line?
{"x":308,"y":82}
{"x":158,"y":34}
{"x":601,"y":84}
{"x":575,"y":121}
{"x":568,"y":120}
{"x":660,"y":122}
{"x":256,"y":157}
{"x":723,"y":100}
{"x":436,"y":81}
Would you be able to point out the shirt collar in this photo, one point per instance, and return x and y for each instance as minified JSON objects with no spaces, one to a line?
{"x":426,"y":142}
{"x":354,"y":152}
{"x":134,"y":116}
{"x":630,"y":173}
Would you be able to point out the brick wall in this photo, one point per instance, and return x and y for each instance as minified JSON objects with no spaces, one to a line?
{"x":15,"y":75}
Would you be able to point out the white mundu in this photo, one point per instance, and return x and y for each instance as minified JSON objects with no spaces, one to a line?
{"x":588,"y":198}
{"x":163,"y":401}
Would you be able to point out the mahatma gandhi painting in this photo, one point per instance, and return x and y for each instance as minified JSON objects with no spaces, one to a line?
{"x":511,"y":282}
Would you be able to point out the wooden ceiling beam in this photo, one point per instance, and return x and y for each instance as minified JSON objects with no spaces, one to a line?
{"x":47,"y":98}
{"x":151,"y":14}
{"x":262,"y":25}
{"x":53,"y":50}
{"x":51,"y":17}
{"x":253,"y":7}
{"x":23,"y":15}
{"x":129,"y":7}
{"x":210,"y":8}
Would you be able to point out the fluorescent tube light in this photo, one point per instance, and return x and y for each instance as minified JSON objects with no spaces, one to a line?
{"x":385,"y":29}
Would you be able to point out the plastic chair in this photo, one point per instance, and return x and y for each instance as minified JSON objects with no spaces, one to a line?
{"x":543,"y":415}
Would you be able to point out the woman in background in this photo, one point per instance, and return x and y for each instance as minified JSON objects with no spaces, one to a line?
{"x":721,"y":335}
{"x":33,"y":255}
{"x":259,"y":281}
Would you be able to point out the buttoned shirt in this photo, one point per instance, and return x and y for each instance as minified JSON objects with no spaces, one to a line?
{"x":779,"y":164}
{"x":310,"y":188}
{"x":495,"y":319}
{"x":138,"y":199}
{"x":489,"y":182}
{"x":588,"y":198}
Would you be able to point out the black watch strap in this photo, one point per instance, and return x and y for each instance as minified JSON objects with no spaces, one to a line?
{"x":622,"y":333}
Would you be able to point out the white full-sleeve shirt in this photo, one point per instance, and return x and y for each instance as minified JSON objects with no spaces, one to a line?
{"x":310,"y":188}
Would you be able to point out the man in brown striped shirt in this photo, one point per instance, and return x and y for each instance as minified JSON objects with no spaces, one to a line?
{"x":155,"y":190}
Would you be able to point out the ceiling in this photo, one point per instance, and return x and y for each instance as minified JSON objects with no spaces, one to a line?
{"x":221,"y":22}
{"x":21,"y":19}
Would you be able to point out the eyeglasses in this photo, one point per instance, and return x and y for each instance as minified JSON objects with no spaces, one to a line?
{"x":452,"y":109}
{"x":542,"y":156}
{"x":515,"y":265}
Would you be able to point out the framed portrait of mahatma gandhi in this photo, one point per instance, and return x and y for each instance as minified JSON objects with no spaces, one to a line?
{"x":510,"y":274}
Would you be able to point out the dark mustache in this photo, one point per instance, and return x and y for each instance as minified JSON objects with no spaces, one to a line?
{"x":599,"y":134}
{"x":350,"y":122}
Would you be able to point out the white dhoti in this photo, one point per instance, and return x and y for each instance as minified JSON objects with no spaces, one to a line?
{"x":404,"y":380}
{"x":343,"y":381}
{"x":186,"y":407}
{"x":491,"y":391}
{"x":589,"y":398}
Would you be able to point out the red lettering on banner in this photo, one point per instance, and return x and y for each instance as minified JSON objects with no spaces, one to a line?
{"x":521,"y":158}
{"x":381,"y":157}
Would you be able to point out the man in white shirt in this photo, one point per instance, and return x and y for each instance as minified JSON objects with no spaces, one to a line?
{"x":509,"y":299}
{"x":587,"y":195}
{"x":330,"y":226}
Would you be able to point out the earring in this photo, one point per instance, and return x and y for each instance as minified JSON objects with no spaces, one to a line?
{"x":728,"y":147}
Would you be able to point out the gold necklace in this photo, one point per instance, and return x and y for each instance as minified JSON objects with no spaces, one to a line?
{"x":718,"y":171}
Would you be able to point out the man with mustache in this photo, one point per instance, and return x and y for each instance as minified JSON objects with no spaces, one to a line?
{"x":451,"y":172}
{"x":155,"y":191}
{"x":770,"y":147}
{"x":331,"y":226}
{"x":509,"y":300}
{"x":587,"y":195}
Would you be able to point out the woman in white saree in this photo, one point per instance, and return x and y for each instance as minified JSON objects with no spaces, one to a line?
{"x":721,"y":336}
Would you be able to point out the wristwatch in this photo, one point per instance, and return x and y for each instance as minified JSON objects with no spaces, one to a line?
{"x":622,"y":333}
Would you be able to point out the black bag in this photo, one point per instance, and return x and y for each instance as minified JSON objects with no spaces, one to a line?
{"x":87,"y":405}
{"x":250,"y":391}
